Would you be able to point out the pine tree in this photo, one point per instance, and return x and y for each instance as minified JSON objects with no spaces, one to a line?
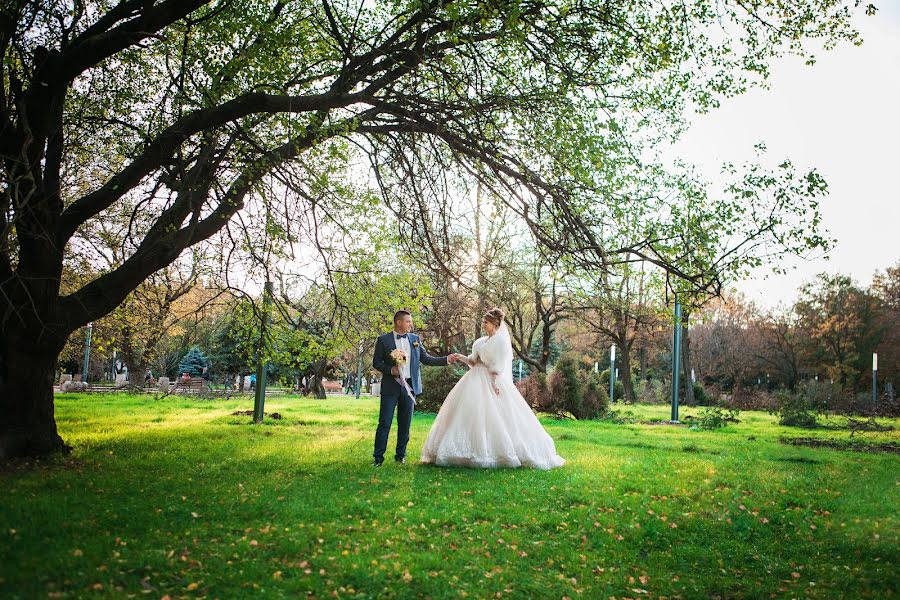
{"x":193,"y":362}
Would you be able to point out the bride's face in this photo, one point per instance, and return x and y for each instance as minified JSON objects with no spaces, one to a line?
{"x":489,"y":327}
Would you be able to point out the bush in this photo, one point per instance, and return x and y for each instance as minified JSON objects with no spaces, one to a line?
{"x":566,"y":386}
{"x":794,"y":409}
{"x":595,"y":395}
{"x":751,"y":399}
{"x":576,"y":391}
{"x":652,"y":391}
{"x":619,"y":417}
{"x":701,"y":397}
{"x":824,"y":398}
{"x":715,"y":417}
{"x":618,"y":385}
{"x":535,"y":391}
{"x":436,"y":384}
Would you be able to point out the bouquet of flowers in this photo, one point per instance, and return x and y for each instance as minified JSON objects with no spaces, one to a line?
{"x":399,"y":357}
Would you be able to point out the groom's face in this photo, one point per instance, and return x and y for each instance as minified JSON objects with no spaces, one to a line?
{"x":403,"y":324}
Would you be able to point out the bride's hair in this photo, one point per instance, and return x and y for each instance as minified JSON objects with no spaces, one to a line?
{"x":495,"y":316}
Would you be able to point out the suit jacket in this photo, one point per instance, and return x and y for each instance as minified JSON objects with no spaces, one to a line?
{"x":383,"y":362}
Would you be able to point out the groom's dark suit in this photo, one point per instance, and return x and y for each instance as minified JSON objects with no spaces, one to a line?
{"x":393,"y":395}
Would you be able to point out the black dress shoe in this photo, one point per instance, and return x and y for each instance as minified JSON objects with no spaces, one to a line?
{"x":377,"y":463}
{"x":402,"y":461}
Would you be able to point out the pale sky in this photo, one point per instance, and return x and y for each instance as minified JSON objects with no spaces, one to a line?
{"x":841,"y":116}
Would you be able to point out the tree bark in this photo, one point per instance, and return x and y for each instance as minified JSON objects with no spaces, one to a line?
{"x":625,"y":370}
{"x":318,"y":375}
{"x":546,"y":339}
{"x":27,"y":425}
{"x":134,"y":361}
{"x":642,"y":354}
{"x":686,"y":361}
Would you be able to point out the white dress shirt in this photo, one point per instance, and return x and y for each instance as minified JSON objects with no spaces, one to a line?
{"x":403,"y":344}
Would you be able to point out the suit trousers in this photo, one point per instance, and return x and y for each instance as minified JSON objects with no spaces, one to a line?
{"x":402,"y":402}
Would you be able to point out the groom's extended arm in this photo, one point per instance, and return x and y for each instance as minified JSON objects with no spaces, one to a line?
{"x":378,"y":360}
{"x":432,"y":361}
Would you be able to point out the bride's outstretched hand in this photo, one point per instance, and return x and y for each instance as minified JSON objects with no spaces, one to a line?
{"x":456,"y":357}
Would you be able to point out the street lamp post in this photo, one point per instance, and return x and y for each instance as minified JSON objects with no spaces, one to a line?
{"x":612,"y":373}
{"x":87,"y":352}
{"x":260,"y":399}
{"x":676,"y":359}
{"x":359,"y":372}
{"x":874,"y":378}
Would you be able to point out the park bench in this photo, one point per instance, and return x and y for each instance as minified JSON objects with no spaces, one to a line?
{"x":332,"y":387}
{"x":192,"y":386}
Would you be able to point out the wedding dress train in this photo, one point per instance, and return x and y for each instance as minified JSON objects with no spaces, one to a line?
{"x":476,"y":427}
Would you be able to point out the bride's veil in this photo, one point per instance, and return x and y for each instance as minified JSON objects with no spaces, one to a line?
{"x":506,"y":351}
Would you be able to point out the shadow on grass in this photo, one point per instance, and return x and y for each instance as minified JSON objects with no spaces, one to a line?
{"x":851,"y":446}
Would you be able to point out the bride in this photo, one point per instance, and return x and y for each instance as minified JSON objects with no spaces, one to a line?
{"x":485,"y":422}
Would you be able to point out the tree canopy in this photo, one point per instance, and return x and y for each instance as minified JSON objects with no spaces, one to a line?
{"x":236,"y":120}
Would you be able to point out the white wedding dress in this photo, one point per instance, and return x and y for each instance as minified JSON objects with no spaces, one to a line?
{"x":476,"y":427}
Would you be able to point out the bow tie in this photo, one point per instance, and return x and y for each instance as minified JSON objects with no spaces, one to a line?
{"x":398,"y":336}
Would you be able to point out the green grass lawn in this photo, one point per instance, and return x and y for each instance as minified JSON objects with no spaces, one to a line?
{"x":177,"y":498}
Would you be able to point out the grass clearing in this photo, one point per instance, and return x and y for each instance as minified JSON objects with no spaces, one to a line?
{"x":178,"y":497}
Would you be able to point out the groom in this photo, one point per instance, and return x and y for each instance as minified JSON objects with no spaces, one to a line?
{"x":393,"y":395}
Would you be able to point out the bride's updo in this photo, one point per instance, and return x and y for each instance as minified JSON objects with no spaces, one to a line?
{"x":495,"y":316}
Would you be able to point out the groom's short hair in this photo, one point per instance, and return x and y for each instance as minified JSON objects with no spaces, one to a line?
{"x":400,"y":314}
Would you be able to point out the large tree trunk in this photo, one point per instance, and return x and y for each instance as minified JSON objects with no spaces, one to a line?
{"x":134,"y":361}
{"x":27,"y":424}
{"x":625,"y":371}
{"x":642,"y":354}
{"x":546,"y":339}
{"x":318,"y":375}
{"x":686,"y":361}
